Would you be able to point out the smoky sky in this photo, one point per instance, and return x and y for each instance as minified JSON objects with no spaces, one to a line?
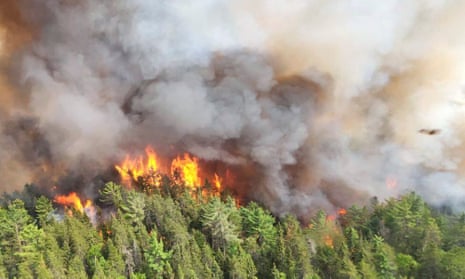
{"x":316,"y":104}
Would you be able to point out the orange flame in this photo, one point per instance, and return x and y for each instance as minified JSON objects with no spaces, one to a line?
{"x":132,"y":169}
{"x":184,"y":168}
{"x":188,"y":169}
{"x":333,"y":217}
{"x":217,"y":181}
{"x":74,"y":201}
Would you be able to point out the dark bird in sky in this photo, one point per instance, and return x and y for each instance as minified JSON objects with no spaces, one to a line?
{"x":430,"y":132}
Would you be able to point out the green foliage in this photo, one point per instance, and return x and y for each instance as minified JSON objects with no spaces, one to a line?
{"x":111,"y":194}
{"x":76,"y":268}
{"x":453,"y":229}
{"x":382,"y":257}
{"x":258,"y":223}
{"x":114,"y":264}
{"x":293,"y":256}
{"x":410,"y":225}
{"x":200,"y":236}
{"x":157,"y":258}
{"x":133,"y":207}
{"x":94,"y":259}
{"x":239,"y":264}
{"x":430,"y":263}
{"x":452,"y":263}
{"x":44,"y":210}
{"x":218,"y":219}
{"x":13,"y":220}
{"x":407,"y":265}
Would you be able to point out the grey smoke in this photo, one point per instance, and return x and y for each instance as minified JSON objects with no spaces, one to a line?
{"x":318,"y":103}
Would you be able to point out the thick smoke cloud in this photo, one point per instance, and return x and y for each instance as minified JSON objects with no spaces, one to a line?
{"x":315,"y":104}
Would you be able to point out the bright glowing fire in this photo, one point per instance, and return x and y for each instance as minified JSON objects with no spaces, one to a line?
{"x":188,"y":170}
{"x":217,"y":181}
{"x":342,"y":211}
{"x":133,"y":169}
{"x":72,"y":200}
{"x":185,"y":169}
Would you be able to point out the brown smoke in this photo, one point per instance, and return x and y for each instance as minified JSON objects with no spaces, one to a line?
{"x":313,"y":104}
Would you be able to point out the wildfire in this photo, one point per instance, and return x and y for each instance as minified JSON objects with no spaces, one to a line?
{"x":185,"y":169}
{"x":74,"y":201}
{"x":133,"y":169}
{"x":188,"y":170}
{"x":342,"y":211}
{"x":217,"y":181}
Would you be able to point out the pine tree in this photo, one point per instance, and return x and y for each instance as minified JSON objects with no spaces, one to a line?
{"x":297,"y":257}
{"x":133,"y":207}
{"x":452,"y":263}
{"x":76,"y":269}
{"x":157,"y":258}
{"x":123,"y":236}
{"x":53,"y":254}
{"x":217,"y":218}
{"x":94,"y":258}
{"x":13,"y":220}
{"x":410,"y":225}
{"x":239,"y":263}
{"x":114,"y":264}
{"x":382,"y":259}
{"x":44,"y":210}
{"x":211,"y":266}
{"x":407,"y":266}
{"x":260,"y":224}
{"x":111,"y":194}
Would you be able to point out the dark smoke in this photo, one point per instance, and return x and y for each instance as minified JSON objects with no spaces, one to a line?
{"x":312,"y":104}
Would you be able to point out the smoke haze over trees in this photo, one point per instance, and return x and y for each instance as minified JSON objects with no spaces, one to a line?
{"x":314,"y":104}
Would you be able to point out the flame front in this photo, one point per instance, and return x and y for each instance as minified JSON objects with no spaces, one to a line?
{"x":184,"y":169}
{"x":187,"y":168}
{"x":72,"y":200}
{"x":217,"y":181}
{"x":132,"y":169}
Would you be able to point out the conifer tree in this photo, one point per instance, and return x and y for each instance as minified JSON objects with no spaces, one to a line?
{"x":111,"y":194}
{"x":44,"y":210}
{"x":157,"y":258}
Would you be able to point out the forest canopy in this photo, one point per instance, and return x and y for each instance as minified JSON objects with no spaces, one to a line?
{"x":173,"y":232}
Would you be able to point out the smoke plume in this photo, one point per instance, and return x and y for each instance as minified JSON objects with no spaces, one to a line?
{"x":314,"y":104}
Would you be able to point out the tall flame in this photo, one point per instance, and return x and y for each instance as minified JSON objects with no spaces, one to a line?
{"x":74,"y":201}
{"x":133,"y":169}
{"x":188,"y":169}
{"x":217,"y":181}
{"x":184,"y":168}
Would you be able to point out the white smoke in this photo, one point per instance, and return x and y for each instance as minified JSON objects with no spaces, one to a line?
{"x":324,"y":99}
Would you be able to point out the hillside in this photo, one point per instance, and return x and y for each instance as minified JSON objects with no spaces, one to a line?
{"x":174,"y":232}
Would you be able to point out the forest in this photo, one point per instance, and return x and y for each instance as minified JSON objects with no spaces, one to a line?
{"x":172,"y":231}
